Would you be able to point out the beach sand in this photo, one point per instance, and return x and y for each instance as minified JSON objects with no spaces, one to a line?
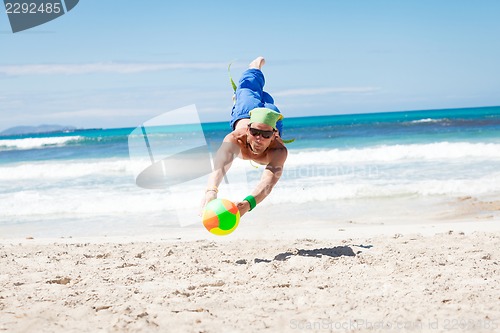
{"x":431,"y":277}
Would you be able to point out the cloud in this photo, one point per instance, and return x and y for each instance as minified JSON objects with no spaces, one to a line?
{"x":91,"y":68}
{"x":99,"y":113}
{"x":325,"y":91}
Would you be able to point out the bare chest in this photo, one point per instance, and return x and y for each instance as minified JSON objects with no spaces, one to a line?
{"x":247,"y":154}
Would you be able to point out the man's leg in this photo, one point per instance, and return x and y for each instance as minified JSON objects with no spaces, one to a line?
{"x":249,"y":93}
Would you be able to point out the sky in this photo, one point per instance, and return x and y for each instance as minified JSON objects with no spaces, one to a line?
{"x":118,"y":63}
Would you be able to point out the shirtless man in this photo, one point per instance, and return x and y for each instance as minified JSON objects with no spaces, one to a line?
{"x":257,"y":126}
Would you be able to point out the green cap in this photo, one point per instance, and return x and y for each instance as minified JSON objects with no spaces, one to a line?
{"x":265,"y":116}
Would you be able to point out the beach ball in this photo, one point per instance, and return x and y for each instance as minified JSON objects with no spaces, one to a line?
{"x":221,"y":217}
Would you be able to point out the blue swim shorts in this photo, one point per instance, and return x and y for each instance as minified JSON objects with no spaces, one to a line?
{"x":250,"y":94}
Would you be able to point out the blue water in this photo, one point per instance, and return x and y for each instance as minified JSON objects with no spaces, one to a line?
{"x":320,"y":132}
{"x":83,"y":181}
{"x":395,"y":127}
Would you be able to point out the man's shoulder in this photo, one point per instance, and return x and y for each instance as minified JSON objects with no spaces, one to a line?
{"x":279,"y":145}
{"x":278,"y":152}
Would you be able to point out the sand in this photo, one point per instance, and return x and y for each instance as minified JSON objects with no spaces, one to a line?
{"x":440,"y":277}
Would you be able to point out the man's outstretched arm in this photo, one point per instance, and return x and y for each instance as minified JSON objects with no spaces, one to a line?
{"x":223,"y":160}
{"x":269,"y":178}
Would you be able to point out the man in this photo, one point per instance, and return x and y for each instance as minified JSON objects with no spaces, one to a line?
{"x":257,"y":126}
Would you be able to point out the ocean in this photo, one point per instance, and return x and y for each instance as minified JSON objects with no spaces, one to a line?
{"x":82,"y":182}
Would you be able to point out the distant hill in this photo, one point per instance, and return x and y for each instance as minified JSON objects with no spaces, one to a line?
{"x":19,"y":130}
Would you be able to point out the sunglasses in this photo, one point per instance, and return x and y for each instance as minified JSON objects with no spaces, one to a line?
{"x":265,"y":134}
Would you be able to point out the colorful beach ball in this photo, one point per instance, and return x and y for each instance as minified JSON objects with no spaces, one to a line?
{"x":221,"y":217}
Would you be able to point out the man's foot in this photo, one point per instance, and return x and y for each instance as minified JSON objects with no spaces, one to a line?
{"x":257,"y":63}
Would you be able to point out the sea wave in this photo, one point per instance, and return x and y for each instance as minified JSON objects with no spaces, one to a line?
{"x":119,"y":201}
{"x":45,"y":190}
{"x":96,"y":201}
{"x":37,"y":143}
{"x":429,"y":120}
{"x":398,"y":153}
{"x":60,"y":170}
{"x":304,"y":192}
{"x":439,"y":153}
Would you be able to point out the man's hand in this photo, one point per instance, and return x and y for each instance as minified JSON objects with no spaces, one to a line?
{"x":209,"y":196}
{"x":243,"y":207}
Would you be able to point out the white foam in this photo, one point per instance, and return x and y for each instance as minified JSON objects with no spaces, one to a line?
{"x":65,"y":169}
{"x":36,"y":143}
{"x":428,"y":120}
{"x":398,"y":153}
{"x":307,"y":160}
{"x":105,"y":187}
{"x":118,"y":202}
{"x":301,"y":192}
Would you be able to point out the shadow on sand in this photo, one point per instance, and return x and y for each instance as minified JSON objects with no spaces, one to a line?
{"x":334,"y":252}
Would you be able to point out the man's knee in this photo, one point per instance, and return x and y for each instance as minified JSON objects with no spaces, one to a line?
{"x":266,"y":98}
{"x":252,"y":79}
{"x":247,"y":99}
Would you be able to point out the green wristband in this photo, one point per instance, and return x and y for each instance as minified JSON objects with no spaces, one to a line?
{"x":251,"y":201}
